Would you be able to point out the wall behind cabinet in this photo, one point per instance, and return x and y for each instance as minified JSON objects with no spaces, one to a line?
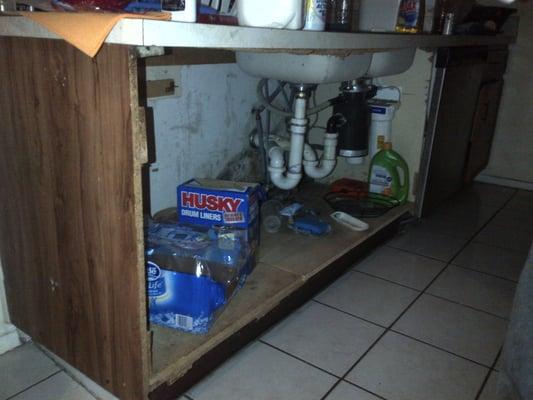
{"x":198,"y":132}
{"x":208,"y":125}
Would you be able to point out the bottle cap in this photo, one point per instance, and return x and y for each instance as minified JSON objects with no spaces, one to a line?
{"x":387,"y":146}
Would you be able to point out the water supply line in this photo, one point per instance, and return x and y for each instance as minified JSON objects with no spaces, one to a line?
{"x":269,"y":106}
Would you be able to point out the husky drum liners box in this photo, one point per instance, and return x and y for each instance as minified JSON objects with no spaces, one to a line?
{"x":192,"y":272}
{"x":209,"y":202}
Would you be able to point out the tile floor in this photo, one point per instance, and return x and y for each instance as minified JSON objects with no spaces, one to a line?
{"x":422,"y":317}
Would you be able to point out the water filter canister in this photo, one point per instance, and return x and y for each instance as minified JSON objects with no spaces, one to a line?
{"x":382,"y":114}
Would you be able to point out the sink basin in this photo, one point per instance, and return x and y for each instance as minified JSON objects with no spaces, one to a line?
{"x":317,"y":69}
{"x":391,"y":62}
{"x":298,"y":68}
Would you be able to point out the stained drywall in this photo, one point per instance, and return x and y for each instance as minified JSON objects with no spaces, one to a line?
{"x":512,"y":150}
{"x":197,"y":133}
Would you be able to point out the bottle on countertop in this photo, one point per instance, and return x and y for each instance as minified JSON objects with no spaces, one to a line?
{"x":411,"y":16}
{"x":315,"y":15}
{"x":356,"y":6}
{"x":339,"y":15}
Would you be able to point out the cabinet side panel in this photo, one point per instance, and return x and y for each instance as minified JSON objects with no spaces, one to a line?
{"x":69,"y":229}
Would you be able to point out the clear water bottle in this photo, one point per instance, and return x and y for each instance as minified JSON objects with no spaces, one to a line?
{"x":339,"y":15}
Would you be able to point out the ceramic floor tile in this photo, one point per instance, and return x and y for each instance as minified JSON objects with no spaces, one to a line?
{"x":475,"y":201}
{"x":472,"y":334}
{"x":434,"y":245}
{"x":475,"y":216}
{"x":367,"y":297}
{"x":400,"y":368}
{"x":489,"y":194}
{"x":448,"y":226}
{"x":522,"y":201}
{"x":490,"y":391}
{"x":58,"y":387}
{"x":492,"y":260}
{"x":324,"y":337}
{"x":346,"y":391}
{"x":401,"y":267}
{"x":260,"y":372}
{"x":475,"y":289}
{"x":505,"y":237}
{"x":514,"y":219}
{"x":23,"y":367}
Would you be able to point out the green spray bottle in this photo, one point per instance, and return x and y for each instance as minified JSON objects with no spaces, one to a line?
{"x":389,"y":174}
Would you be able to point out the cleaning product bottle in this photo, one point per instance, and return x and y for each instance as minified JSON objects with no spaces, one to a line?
{"x":389,"y":174}
{"x":411,"y":16}
{"x":315,"y":15}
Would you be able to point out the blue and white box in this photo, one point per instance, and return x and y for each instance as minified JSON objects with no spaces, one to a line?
{"x":209,"y":202}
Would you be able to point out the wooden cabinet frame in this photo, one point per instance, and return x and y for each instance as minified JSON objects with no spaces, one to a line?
{"x":73,"y":142}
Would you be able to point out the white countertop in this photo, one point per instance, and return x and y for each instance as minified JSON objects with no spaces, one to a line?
{"x":179,"y":34}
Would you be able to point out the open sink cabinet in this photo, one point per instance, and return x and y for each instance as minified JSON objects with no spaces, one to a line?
{"x":74,"y":144}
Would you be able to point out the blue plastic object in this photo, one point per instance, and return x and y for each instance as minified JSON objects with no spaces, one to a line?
{"x":310,"y":225}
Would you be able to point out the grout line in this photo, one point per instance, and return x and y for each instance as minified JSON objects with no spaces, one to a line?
{"x":501,"y":247}
{"x":440,"y":348}
{"x":33,"y":385}
{"x":500,"y":354}
{"x":298,"y":358}
{"x":350,"y":314}
{"x":363,"y":389}
{"x":467,"y":306}
{"x":404,"y":251}
{"x":420,"y":295}
{"x":421,"y":255}
{"x":491,"y":370}
{"x":387,"y":280}
{"x":484,"y":273}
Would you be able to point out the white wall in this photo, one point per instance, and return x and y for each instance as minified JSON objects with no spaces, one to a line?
{"x":200,"y":131}
{"x":512,"y":150}
{"x":8,"y":334}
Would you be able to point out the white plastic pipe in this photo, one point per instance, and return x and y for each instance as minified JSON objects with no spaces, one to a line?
{"x":288,"y":178}
{"x":277,"y":170}
{"x":320,"y":169}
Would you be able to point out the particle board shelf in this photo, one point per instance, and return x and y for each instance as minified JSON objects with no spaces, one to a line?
{"x":206,"y":36}
{"x":287,"y":262}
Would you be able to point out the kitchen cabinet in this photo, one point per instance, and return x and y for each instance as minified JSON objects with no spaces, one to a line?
{"x":73,"y":142}
{"x":465,"y":103}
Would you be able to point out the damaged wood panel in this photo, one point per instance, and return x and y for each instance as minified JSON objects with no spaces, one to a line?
{"x":69,"y":219}
{"x":192,"y":56}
